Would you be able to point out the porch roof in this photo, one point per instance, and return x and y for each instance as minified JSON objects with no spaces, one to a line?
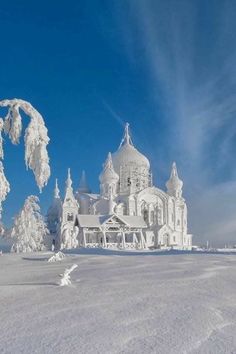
{"x":102,"y":220}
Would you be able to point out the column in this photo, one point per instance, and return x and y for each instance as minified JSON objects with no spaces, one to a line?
{"x":123,"y":239}
{"x":143,"y":243}
{"x":84,"y":237}
{"x":104,"y":239}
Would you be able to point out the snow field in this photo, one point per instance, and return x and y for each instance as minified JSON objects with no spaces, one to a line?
{"x":118,"y":303}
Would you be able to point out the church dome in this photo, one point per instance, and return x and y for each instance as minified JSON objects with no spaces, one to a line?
{"x":127,"y":154}
{"x":174,"y":184}
{"x":108,"y":174}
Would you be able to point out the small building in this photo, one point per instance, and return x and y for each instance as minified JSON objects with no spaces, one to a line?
{"x":112,"y":231}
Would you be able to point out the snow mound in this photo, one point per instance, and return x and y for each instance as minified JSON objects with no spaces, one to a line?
{"x":57,"y":257}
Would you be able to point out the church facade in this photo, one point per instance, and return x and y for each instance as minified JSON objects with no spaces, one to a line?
{"x":128,"y":213}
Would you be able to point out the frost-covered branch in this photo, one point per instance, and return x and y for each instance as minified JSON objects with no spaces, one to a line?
{"x":36,"y":141}
{"x":65,"y":277}
{"x":4,"y":186}
{"x":57,"y":257}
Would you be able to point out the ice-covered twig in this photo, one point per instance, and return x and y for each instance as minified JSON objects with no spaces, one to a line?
{"x":65,"y":277}
{"x":57,"y":257}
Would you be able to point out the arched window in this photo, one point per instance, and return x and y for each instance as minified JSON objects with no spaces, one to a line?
{"x":145,"y":215}
{"x":144,"y":211}
{"x":70,"y":217}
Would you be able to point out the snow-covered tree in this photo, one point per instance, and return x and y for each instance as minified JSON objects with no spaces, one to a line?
{"x":29,"y":230}
{"x":36,"y":141}
{"x":69,"y":238}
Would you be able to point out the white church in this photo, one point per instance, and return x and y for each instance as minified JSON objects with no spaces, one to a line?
{"x":128,"y":213}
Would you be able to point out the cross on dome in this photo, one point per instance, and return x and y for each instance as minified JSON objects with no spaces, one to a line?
{"x":69,"y":180}
{"x":174,"y":171}
{"x":126,"y":138}
{"x":127,"y":155}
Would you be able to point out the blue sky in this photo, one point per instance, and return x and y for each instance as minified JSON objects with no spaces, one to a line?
{"x":166,"y":67}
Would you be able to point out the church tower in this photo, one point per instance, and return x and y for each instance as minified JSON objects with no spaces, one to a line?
{"x":54,"y":212}
{"x":174,"y":184}
{"x":108,"y":179}
{"x":70,"y":205}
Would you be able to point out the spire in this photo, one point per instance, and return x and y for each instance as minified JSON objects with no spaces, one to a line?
{"x":69,"y":194}
{"x":69,"y":180}
{"x":54,"y":211}
{"x":108,"y":162}
{"x":174,"y":184}
{"x":108,"y":178}
{"x":69,"y":190}
{"x":126,"y":140}
{"x":108,"y":174}
{"x":83,"y":184}
{"x":174,"y":172}
{"x":56,"y":191}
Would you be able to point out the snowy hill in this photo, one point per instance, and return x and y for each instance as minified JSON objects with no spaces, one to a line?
{"x":118,"y":303}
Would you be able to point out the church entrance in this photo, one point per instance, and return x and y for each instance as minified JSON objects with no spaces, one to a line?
{"x":166,"y":240}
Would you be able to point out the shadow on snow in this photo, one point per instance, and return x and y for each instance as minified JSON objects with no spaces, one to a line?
{"x":110,"y":252}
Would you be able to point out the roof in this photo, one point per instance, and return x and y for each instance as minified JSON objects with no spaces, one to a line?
{"x":90,"y":195}
{"x":100,"y":220}
{"x":128,"y":155}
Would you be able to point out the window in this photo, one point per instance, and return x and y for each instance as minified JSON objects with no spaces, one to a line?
{"x":159,"y":216}
{"x":152,"y":216}
{"x":174,"y":240}
{"x":70,"y":217}
{"x":145,"y":215}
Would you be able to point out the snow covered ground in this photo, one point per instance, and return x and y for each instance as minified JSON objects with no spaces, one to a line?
{"x":119,"y":303}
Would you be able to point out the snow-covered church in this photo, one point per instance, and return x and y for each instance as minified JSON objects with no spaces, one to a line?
{"x":129,"y":212}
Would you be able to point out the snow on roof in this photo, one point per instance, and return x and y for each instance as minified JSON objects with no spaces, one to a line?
{"x":99,"y":220}
{"x":90,"y":220}
{"x":133,"y":220}
{"x":92,"y":195}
